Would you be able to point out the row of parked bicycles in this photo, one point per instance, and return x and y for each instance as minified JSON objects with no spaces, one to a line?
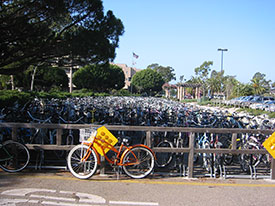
{"x":140,"y":111}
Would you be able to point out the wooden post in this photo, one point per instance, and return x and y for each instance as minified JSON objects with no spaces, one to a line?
{"x":14,"y":134}
{"x":191,"y":155}
{"x":59,"y":136}
{"x":272,"y":169}
{"x":148,"y":139}
{"x":234,"y":141}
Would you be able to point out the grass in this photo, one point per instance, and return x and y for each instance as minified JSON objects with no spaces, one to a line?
{"x":256,"y":112}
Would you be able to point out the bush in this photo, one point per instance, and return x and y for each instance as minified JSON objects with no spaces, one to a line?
{"x":12,"y":97}
{"x":256,"y":112}
{"x":188,"y":100}
{"x":204,"y":103}
{"x":122,"y":92}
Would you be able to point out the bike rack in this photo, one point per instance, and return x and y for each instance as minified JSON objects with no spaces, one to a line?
{"x":190,"y":150}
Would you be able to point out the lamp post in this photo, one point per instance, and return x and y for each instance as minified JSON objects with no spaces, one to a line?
{"x":222,"y":50}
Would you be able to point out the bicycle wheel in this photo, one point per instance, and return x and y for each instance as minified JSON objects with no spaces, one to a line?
{"x":14,"y":156}
{"x":82,"y":169}
{"x":207,"y":158}
{"x":164,"y":158}
{"x":138,"y":162}
{"x":246,"y":162}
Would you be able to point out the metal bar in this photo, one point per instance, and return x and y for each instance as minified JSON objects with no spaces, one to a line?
{"x":191,"y":155}
{"x":102,"y":166}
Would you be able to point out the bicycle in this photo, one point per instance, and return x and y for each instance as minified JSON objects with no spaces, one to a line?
{"x":136,"y":161}
{"x":14,"y":156}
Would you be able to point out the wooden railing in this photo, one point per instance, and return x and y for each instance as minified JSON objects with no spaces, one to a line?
{"x":191,"y":150}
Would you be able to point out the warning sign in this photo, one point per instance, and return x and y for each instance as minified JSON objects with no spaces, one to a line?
{"x":269,"y":144}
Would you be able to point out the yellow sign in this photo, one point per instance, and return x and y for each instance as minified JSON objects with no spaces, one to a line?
{"x":105,"y":140}
{"x":269,"y":144}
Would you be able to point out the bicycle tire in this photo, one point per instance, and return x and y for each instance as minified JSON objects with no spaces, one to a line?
{"x":138,"y":162}
{"x":163,"y":159}
{"x":82,"y":169}
{"x":14,"y":156}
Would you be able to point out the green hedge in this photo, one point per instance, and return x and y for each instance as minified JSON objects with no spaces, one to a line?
{"x":10,"y":98}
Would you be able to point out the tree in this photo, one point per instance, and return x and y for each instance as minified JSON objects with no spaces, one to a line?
{"x":147,"y":80}
{"x":39,"y":31}
{"x":214,"y":83}
{"x":259,"y":84}
{"x":4,"y":81}
{"x":243,"y":90}
{"x":202,"y":73}
{"x":166,"y":72}
{"x":99,"y":78}
{"x":116,"y":79}
{"x":46,"y":78}
{"x":182,"y":78}
{"x":229,"y":83}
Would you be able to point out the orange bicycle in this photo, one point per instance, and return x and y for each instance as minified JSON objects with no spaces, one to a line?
{"x":136,"y":161}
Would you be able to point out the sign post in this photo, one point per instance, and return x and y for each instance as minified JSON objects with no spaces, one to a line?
{"x":269,"y":145}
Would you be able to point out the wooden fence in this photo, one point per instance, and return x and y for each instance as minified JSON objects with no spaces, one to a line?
{"x":191,"y":150}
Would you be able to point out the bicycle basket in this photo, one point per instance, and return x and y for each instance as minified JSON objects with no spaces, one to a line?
{"x":105,"y":140}
{"x":85,"y":134}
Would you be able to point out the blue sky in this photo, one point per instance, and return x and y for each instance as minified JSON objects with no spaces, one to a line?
{"x":185,"y":33}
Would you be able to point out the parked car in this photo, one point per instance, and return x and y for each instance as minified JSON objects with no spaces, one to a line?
{"x":270,"y":106}
{"x":246,"y":101}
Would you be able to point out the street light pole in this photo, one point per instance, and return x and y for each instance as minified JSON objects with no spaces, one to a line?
{"x":222,"y":50}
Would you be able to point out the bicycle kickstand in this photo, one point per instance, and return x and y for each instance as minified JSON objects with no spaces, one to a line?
{"x":118,"y":172}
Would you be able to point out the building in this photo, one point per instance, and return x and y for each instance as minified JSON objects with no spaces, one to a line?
{"x":129,"y":72}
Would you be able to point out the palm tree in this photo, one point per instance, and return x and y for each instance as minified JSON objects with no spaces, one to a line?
{"x":258,"y":88}
{"x":215,"y":82}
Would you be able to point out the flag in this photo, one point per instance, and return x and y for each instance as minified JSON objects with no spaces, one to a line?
{"x":135,"y":55}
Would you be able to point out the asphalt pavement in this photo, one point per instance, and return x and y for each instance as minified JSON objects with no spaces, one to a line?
{"x":59,"y":187}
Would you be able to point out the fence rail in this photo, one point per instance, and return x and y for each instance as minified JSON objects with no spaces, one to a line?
{"x":191,"y":150}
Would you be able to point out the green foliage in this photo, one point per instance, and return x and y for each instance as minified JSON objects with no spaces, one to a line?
{"x":5,"y":81}
{"x":12,"y":97}
{"x":166,"y":72}
{"x":204,"y":103}
{"x":122,"y":92}
{"x":271,"y":115}
{"x":148,"y":81}
{"x":259,"y":84}
{"x":256,"y":112}
{"x":202,"y":73}
{"x":99,"y":78}
{"x":243,"y":90}
{"x":203,"y":70}
{"x":38,"y":31}
{"x":45,"y":79}
{"x":188,"y":100}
